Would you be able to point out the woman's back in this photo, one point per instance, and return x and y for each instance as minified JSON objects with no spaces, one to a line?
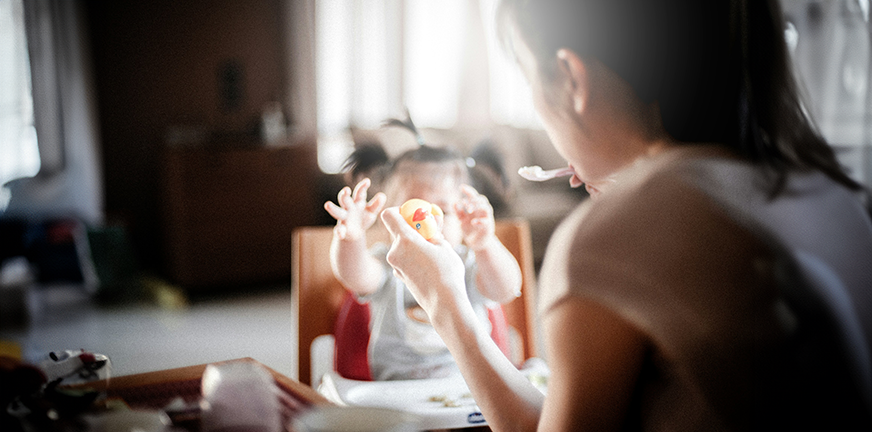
{"x":688,"y":249}
{"x":827,"y":235}
{"x":814,"y":216}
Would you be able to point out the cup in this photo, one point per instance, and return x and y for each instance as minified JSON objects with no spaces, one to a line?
{"x":239,"y":396}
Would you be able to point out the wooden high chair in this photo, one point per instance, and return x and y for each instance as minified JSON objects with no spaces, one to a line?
{"x":317,"y":296}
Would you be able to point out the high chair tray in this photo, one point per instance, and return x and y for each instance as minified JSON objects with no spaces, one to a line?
{"x":440,"y":403}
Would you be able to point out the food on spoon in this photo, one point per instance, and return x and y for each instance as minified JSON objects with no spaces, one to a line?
{"x":536,"y":173}
{"x":424,"y":217}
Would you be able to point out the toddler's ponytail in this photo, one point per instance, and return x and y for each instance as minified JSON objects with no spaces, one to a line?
{"x":368,"y":160}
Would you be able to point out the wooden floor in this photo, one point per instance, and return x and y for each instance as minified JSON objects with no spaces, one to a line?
{"x":146,"y":336}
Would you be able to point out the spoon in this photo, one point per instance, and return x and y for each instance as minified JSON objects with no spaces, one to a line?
{"x":536,"y":173}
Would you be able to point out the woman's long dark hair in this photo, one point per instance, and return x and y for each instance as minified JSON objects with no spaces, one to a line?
{"x":719,"y":70}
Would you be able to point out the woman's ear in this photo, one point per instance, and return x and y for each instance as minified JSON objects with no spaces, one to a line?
{"x":577,"y":77}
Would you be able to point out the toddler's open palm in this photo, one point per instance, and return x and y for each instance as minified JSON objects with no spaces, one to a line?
{"x":476,"y":217}
{"x":354,"y":215}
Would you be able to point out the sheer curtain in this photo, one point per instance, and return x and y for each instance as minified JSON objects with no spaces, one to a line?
{"x":18,"y":147}
{"x":373,"y":58}
{"x":69,"y":181}
{"x":434,"y":40}
{"x":358,"y":57}
{"x":510,"y":99}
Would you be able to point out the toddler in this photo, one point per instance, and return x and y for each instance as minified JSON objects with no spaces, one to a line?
{"x":403,"y":345}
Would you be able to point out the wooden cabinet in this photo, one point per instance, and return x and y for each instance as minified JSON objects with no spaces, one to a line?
{"x":229,"y":212}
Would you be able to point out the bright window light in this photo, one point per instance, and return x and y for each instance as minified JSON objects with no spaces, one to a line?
{"x":356,"y":82}
{"x":333,"y":149}
{"x":333,"y":57}
{"x":371,"y":89}
{"x":433,"y":54}
{"x":333,"y":70}
{"x":510,"y":100}
{"x":18,"y":145}
{"x":376,"y":57}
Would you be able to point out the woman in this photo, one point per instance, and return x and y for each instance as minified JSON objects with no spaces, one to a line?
{"x":678,"y":297}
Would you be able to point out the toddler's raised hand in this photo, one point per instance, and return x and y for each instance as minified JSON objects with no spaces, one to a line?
{"x":476,"y":218}
{"x":354,"y":215}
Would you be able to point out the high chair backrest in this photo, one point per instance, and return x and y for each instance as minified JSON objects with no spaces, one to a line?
{"x":317,"y":296}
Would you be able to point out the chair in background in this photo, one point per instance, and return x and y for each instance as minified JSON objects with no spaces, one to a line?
{"x":318,"y":298}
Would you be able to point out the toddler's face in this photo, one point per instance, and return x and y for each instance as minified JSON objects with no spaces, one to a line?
{"x":430,"y":183}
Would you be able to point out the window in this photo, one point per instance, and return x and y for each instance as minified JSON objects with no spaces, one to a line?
{"x":831,"y":51}
{"x":510,"y":100}
{"x":17,"y":134}
{"x":829,"y":46}
{"x":357,"y":71}
{"x":375,"y":57}
{"x":434,"y":37}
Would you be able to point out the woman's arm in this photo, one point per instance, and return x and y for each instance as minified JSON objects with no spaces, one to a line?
{"x":506,"y":397}
{"x":435,"y":275}
{"x":594,"y":357}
